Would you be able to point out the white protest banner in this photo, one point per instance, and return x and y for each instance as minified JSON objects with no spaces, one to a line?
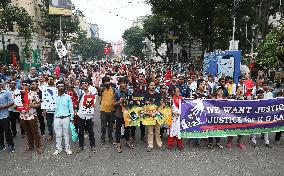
{"x":88,"y":105}
{"x":48,"y":98}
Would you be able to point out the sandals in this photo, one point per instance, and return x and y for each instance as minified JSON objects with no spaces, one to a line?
{"x":40,"y":150}
{"x":27,"y":149}
{"x":210,"y":146}
{"x":219,"y":146}
{"x":118,"y":149}
{"x":80,"y":149}
{"x":94,"y":150}
{"x":129,"y":145}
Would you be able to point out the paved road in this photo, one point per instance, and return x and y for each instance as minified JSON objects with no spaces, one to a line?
{"x":191,"y":161}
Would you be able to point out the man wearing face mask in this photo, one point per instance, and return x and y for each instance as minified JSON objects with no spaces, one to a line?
{"x":107,"y":108}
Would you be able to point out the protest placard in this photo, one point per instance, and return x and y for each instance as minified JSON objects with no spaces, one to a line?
{"x":48,"y":98}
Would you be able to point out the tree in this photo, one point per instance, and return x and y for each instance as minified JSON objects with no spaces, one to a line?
{"x":51,"y":23}
{"x":88,"y":48}
{"x":271,"y":50}
{"x":156,"y":29}
{"x":11,"y":15}
{"x":211,"y":20}
{"x":133,"y":38}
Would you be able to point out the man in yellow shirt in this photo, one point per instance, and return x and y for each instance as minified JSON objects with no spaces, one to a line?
{"x":107,"y":108}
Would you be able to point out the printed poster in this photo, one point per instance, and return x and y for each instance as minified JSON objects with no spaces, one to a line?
{"x":21,"y":100}
{"x":48,"y":98}
{"x":88,"y":104}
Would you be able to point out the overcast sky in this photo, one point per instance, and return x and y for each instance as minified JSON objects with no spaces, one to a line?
{"x":112,"y":16}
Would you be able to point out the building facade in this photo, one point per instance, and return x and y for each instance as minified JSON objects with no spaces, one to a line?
{"x":14,"y":44}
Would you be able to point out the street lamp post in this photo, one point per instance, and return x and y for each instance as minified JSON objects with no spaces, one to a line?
{"x":246,"y":18}
{"x":253,"y":27}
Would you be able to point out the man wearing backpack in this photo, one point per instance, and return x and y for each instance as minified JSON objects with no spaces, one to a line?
{"x":107,"y":108}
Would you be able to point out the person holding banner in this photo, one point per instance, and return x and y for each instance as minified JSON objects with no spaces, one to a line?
{"x":64,"y":113}
{"x":199,"y":94}
{"x":153,"y":98}
{"x":29,"y":119}
{"x":172,"y":85}
{"x":239,"y":96}
{"x":174,"y":128}
{"x":279,"y":134}
{"x":260,"y":95}
{"x":166,"y":101}
{"x":219,"y":95}
{"x":120,"y":96}
{"x":86,"y":112}
{"x":139,"y":89}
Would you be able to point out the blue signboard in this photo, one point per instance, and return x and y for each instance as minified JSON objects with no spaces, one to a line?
{"x":223,"y":62}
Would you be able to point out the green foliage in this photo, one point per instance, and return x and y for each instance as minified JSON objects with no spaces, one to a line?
{"x":11,"y":15}
{"x":156,"y":29}
{"x":211,"y":20}
{"x":133,"y":38}
{"x":271,"y":50}
{"x":157,"y":26}
{"x":51,"y":23}
{"x":88,"y":48}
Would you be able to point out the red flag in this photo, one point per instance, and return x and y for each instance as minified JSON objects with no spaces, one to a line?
{"x":107,"y":50}
{"x":14,"y":60}
{"x":25,"y":101}
{"x":167,"y":77}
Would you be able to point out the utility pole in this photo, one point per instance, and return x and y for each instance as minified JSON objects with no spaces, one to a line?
{"x":234,"y":22}
{"x":60,"y":36}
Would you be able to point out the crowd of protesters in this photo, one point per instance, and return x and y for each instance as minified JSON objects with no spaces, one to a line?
{"x":156,"y":82}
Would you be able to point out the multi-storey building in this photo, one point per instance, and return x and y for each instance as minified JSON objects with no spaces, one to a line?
{"x":15,"y":44}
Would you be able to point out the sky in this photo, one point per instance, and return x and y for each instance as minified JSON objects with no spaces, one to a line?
{"x":112,"y":16}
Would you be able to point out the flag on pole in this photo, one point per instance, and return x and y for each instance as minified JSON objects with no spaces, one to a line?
{"x":107,"y":50}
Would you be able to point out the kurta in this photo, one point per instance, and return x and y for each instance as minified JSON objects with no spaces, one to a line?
{"x":175,"y":126}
